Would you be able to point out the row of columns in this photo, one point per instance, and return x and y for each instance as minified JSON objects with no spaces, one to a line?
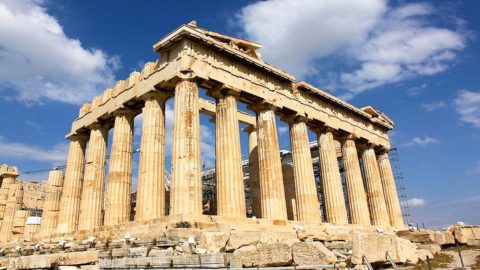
{"x":82,"y":198}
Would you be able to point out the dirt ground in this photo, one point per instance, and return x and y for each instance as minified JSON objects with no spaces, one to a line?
{"x":470,"y":257}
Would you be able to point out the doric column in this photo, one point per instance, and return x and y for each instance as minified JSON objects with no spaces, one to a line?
{"x":375,"y":196}
{"x":289,"y":187}
{"x":229,"y":175}
{"x":119,"y":183}
{"x":270,"y":165}
{"x":6,"y":182}
{"x":308,"y":207}
{"x":151,"y":170}
{"x":72,"y":190}
{"x":186,"y":181}
{"x":253,"y":170}
{"x":51,"y":205}
{"x":14,"y":203}
{"x":94,"y":179}
{"x":357,"y":198}
{"x":335,"y":209}
{"x":390,"y":190}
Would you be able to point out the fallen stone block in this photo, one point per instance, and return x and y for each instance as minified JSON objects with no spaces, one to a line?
{"x":473,"y":242}
{"x":421,"y":236}
{"x":240,"y":239}
{"x":120,"y":252}
{"x":339,"y":245}
{"x":433,"y":248}
{"x":276,"y":254}
{"x":138,"y":252}
{"x":186,"y":261}
{"x":214,"y":241}
{"x":77,"y":258}
{"x":155,"y":252}
{"x":464,"y":233}
{"x":312,"y":253}
{"x":372,"y":245}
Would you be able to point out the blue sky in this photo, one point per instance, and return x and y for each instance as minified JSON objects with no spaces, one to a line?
{"x":416,"y":61}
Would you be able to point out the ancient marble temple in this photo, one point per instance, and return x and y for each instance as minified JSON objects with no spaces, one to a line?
{"x":231,"y":70}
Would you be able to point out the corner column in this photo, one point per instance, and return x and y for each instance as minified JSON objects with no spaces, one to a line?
{"x":119,"y":183}
{"x":151,"y":170}
{"x":14,"y":203}
{"x":390,"y":190}
{"x":308,"y":207}
{"x":375,"y":195}
{"x":94,"y":179}
{"x":336,"y":211}
{"x":72,"y":190}
{"x":229,"y":175}
{"x":7,"y":181}
{"x":357,"y":198}
{"x":270,"y":165}
{"x":51,"y":205}
{"x":253,"y":170}
{"x":186,"y":183}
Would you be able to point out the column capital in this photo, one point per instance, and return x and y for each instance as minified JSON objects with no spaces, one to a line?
{"x":223,"y":90}
{"x":97,"y":126}
{"x":323,"y":129}
{"x":249,"y":129}
{"x":78,"y":137}
{"x":262,"y":105}
{"x":161,"y":95}
{"x":294,"y":118}
{"x":124,"y":112}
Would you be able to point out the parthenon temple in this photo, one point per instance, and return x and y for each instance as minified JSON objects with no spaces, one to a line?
{"x":93,"y":198}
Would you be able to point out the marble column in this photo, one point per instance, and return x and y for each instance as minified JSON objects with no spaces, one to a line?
{"x":308,"y":207}
{"x":270,"y":165}
{"x":289,"y":187}
{"x":151,"y":170}
{"x":186,"y":181}
{"x":6,"y":182}
{"x":335,"y":209}
{"x":14,"y":203}
{"x":119,"y":183}
{"x":357,"y":198}
{"x":72,"y":190}
{"x":51,"y":206}
{"x":253,"y":170}
{"x":375,"y":195}
{"x":94,"y":179}
{"x":390,"y":191}
{"x":229,"y":175}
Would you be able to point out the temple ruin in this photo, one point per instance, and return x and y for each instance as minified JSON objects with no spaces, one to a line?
{"x":88,"y":210}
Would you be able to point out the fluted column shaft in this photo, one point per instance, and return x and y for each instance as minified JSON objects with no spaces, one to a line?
{"x":14,"y":203}
{"x":357,"y":198}
{"x":308,"y":207}
{"x":270,"y":166}
{"x":186,"y":183}
{"x":72,"y":190}
{"x":375,"y":195}
{"x":51,"y":205}
{"x":390,"y":191}
{"x":94,"y":179}
{"x":6,"y":182}
{"x":229,"y":175}
{"x":335,"y":208}
{"x":119,"y":183}
{"x":151,"y":170}
{"x":253,"y":171}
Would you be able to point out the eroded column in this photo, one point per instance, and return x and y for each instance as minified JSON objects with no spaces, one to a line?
{"x":51,"y":205}
{"x":151,"y":170}
{"x":335,"y":208}
{"x":119,"y":183}
{"x":94,"y":179}
{"x":308,"y":207}
{"x":390,"y":190}
{"x":6,"y":182}
{"x":375,"y":195}
{"x":229,"y":175}
{"x":253,"y":170}
{"x":72,"y":190}
{"x":270,"y":165}
{"x":14,"y":203}
{"x":186,"y":183}
{"x":357,"y":198}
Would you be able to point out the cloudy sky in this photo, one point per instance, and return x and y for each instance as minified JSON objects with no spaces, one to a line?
{"x":416,"y":61}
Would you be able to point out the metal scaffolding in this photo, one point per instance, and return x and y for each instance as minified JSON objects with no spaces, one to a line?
{"x":400,"y":183}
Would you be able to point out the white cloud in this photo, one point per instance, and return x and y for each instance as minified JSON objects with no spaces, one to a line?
{"x":416,"y":90}
{"x":434,"y":105}
{"x":422,"y":142}
{"x":39,"y":62}
{"x":33,"y":125}
{"x":19,"y":151}
{"x":467,"y":105}
{"x":380,"y":44}
{"x":416,"y":202}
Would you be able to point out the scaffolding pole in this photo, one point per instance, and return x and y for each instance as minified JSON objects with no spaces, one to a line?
{"x":400,"y":183}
